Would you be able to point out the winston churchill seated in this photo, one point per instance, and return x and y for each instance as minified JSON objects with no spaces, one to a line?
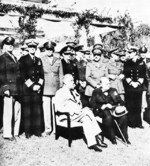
{"x":107,"y":104}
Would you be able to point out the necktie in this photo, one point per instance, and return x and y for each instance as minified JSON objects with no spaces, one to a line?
{"x":73,"y":95}
{"x":34,"y":59}
{"x":14,"y":58}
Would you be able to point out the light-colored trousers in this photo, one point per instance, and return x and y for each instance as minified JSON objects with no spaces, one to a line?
{"x":90,"y":126}
{"x":11,"y":125}
{"x":47,"y":113}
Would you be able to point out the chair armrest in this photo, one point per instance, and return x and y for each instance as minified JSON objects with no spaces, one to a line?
{"x":67,"y":116}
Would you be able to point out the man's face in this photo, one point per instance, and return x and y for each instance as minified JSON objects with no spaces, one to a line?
{"x":97,"y":57}
{"x":132,"y":54}
{"x":67,"y":57}
{"x":143,"y":55}
{"x":8,"y":48}
{"x":70,"y":83}
{"x":32,"y":49}
{"x":49,"y":52}
{"x":105,"y":84}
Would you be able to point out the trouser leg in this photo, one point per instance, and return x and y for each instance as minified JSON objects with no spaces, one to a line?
{"x":47,"y":113}
{"x":17,"y":117}
{"x":90,"y":127}
{"x":7,"y":117}
{"x":108,"y":125}
{"x":36,"y":115}
{"x":26,"y":109}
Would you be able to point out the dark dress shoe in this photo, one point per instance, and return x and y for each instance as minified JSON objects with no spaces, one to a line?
{"x":114,"y":142}
{"x":10,"y":138}
{"x":128,"y":142}
{"x":95,"y":148}
{"x":101,"y":143}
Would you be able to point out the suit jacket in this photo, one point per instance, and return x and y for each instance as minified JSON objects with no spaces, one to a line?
{"x":53,"y":75}
{"x":9,"y":75}
{"x":99,"y":98}
{"x":66,"y":102}
{"x":31,"y":72}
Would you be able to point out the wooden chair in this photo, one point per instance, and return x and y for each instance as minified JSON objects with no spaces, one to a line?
{"x":62,"y":121}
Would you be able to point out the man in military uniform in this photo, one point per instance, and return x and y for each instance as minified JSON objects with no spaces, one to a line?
{"x":33,"y":79}
{"x":10,"y":89}
{"x":135,"y":75}
{"x":53,"y":74}
{"x":69,"y":66}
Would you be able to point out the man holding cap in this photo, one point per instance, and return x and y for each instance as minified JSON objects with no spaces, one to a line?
{"x":53,"y":74}
{"x":10,"y":89}
{"x":108,"y":105}
{"x":33,"y":79}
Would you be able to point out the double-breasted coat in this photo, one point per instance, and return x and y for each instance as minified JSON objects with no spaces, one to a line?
{"x":10,"y":79}
{"x":133,"y":96}
{"x":32,"y":74}
{"x":10,"y":75}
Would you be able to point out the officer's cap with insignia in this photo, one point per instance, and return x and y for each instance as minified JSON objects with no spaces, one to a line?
{"x":31,"y":43}
{"x":8,"y":41}
{"x":49,"y":45}
{"x":67,"y":50}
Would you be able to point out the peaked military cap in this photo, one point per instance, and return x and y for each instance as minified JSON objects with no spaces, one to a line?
{"x":67,"y":50}
{"x":31,"y":42}
{"x":8,"y":41}
{"x":49,"y":45}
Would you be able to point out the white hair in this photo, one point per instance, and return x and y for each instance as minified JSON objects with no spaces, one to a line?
{"x":66,"y":78}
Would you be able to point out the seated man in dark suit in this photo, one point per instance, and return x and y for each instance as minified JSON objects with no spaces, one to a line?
{"x":108,"y":105}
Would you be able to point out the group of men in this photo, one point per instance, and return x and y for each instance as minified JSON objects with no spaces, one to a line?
{"x":27,"y":86}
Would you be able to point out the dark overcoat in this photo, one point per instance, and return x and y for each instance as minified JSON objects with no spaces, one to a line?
{"x":9,"y":75}
{"x":32,"y":70}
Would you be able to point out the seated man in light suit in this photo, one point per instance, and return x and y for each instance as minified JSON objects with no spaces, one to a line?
{"x":68,"y":100}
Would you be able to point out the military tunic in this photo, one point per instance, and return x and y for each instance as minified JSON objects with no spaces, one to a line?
{"x":133,"y":96}
{"x":32,"y":74}
{"x":94,"y":72}
{"x":115,"y":69}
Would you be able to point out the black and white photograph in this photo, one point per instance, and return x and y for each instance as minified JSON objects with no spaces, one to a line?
{"x":74,"y":83}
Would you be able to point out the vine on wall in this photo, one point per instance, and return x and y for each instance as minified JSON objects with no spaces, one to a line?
{"x":30,"y":14}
